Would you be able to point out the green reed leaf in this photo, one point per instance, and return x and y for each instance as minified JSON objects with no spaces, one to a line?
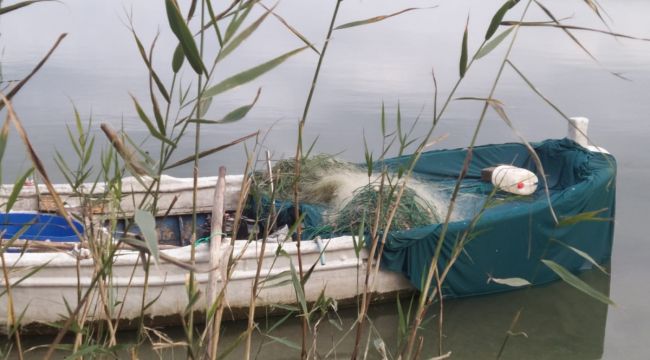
{"x":160,"y":122}
{"x":463,"y":51}
{"x":182,"y":32}
{"x":360,"y":243}
{"x":178,"y":59}
{"x":232,"y":116}
{"x":571,"y":27}
{"x":513,"y":282}
{"x":584,"y":216}
{"x":4,"y":135}
{"x":32,"y":270}
{"x":147,"y":225}
{"x":152,"y":129}
{"x":376,"y":19}
{"x":292,"y":29}
{"x":18,"y":186}
{"x":16,"y":6}
{"x":90,"y":351}
{"x":239,"y":39}
{"x":231,"y":346}
{"x":583,"y":255}
{"x":147,"y":61}
{"x":284,"y":341}
{"x":237,"y":20}
{"x":204,"y":106}
{"x":574,"y":281}
{"x":249,"y":75}
{"x":285,"y":307}
{"x":487,"y":48}
{"x":280,"y":279}
{"x":300,"y":294}
{"x":137,"y":167}
{"x":496,"y":19}
{"x":205,"y":153}
{"x":79,"y":126}
{"x":311,"y":147}
{"x":402,"y":321}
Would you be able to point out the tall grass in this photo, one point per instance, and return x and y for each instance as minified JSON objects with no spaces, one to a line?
{"x":94,"y":318}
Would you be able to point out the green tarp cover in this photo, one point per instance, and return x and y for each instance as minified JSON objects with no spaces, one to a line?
{"x":510,"y":239}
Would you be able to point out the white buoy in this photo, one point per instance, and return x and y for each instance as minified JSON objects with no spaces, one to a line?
{"x":578,"y":127}
{"x":514,"y":180}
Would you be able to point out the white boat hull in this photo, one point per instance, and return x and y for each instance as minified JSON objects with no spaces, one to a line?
{"x":42,"y":297}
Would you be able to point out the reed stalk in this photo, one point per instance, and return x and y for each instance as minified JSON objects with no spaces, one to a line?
{"x":13,"y":323}
{"x":195,"y":175}
{"x":215,"y":263}
{"x":298,"y":161}
{"x":260,"y":260}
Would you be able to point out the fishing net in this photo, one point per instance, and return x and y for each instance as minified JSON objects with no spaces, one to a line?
{"x":345,"y":195}
{"x":412,"y":211}
{"x":312,"y":170}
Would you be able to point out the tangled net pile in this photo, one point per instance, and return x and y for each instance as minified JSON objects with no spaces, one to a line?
{"x":412,"y":211}
{"x":350,"y":195}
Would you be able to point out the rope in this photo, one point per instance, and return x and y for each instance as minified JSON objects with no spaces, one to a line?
{"x":207,"y":238}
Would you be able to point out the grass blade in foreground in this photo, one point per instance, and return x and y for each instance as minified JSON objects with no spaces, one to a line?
{"x":496,"y":19}
{"x":235,"y":115}
{"x":584,"y":216}
{"x":584,"y":255}
{"x":19,"y":5}
{"x":249,"y":75}
{"x":204,"y":153}
{"x":18,"y":186}
{"x":182,"y":32}
{"x":574,"y":281}
{"x":292,"y":29}
{"x":147,"y":225}
{"x":514,"y":282}
{"x":237,"y":40}
{"x":571,"y":27}
{"x":178,"y":59}
{"x":487,"y":48}
{"x":147,"y":122}
{"x":463,"y":52}
{"x":376,"y":19}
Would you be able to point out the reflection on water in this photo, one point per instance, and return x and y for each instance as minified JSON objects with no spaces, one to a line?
{"x":98,"y":65}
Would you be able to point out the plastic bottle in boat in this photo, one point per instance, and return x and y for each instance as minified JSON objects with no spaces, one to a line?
{"x":514,"y":180}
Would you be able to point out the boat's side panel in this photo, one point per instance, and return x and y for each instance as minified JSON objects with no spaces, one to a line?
{"x":338,"y":273}
{"x":173,"y":191}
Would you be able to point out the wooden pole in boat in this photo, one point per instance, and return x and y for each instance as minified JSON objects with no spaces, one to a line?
{"x":215,"y":264}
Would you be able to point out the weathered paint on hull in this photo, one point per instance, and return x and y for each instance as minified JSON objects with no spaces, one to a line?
{"x":340,"y":276}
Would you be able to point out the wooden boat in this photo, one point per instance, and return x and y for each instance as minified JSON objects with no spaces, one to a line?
{"x":507,"y":240}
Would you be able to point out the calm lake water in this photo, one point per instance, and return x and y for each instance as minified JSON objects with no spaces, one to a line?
{"x":98,"y":65}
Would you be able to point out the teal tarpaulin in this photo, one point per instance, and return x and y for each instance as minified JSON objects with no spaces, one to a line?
{"x":510,"y":239}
